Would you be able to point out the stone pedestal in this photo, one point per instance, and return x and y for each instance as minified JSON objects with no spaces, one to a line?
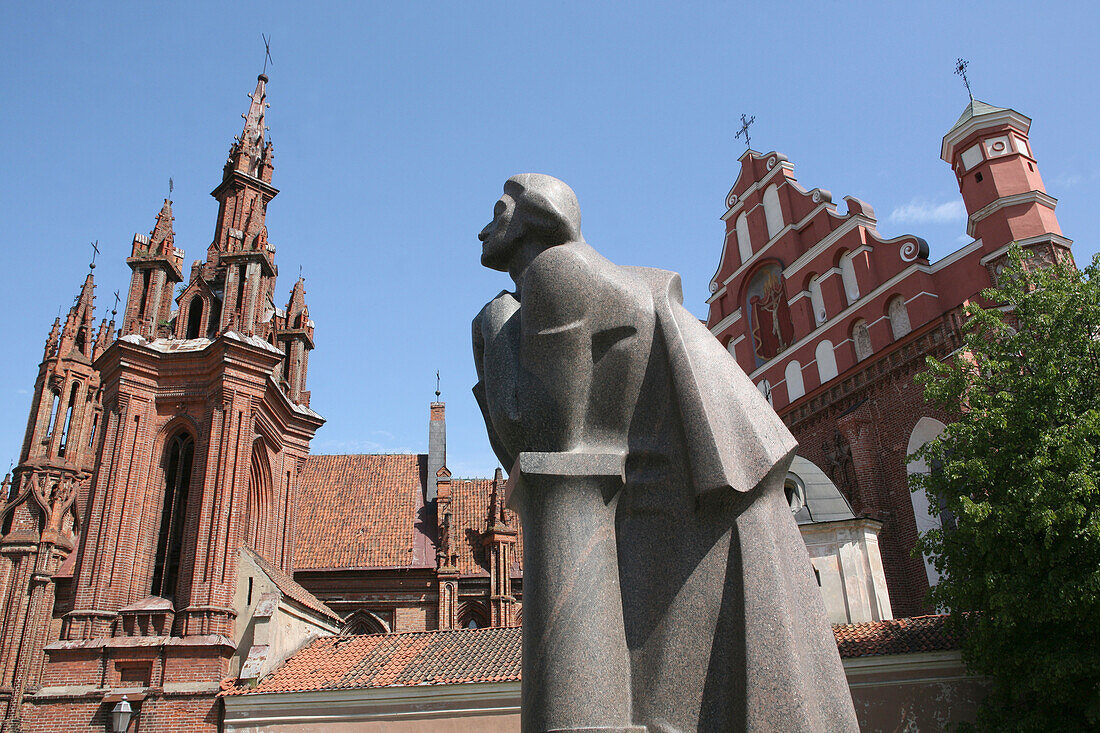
{"x":576,"y":667}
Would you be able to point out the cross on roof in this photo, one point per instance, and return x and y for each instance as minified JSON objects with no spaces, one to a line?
{"x":745,"y":128}
{"x":267,"y":51}
{"x":437,"y":384}
{"x":95,"y":251}
{"x":960,"y":70}
{"x":115,"y":309}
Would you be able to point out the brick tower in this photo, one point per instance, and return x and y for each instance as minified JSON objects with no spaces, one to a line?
{"x":999,"y":180}
{"x":170,"y":457}
{"x":41,"y":515}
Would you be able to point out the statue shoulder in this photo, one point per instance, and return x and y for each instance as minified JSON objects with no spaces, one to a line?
{"x":562,"y":266}
{"x":558,"y":286}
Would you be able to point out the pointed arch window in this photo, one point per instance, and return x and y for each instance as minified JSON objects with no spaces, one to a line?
{"x":215,"y":318}
{"x":927,"y":429}
{"x":178,"y":457}
{"x":473,"y":615}
{"x":68,"y":424}
{"x":259,"y":522}
{"x":194,"y":319}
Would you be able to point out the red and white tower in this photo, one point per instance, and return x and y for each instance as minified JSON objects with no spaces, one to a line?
{"x":989,"y":151}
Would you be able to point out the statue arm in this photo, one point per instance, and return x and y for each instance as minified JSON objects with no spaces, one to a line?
{"x":496,"y":362}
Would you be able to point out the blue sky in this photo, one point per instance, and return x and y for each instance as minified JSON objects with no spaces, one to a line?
{"x":395,"y":125}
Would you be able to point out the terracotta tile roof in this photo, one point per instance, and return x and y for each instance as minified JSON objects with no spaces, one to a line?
{"x":387,"y":660}
{"x":493,"y":655}
{"x":470,"y":506}
{"x":291,"y":589}
{"x":363,"y":511}
{"x":895,"y":636}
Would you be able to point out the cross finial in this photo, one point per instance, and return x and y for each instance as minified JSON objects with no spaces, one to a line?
{"x":437,"y":384}
{"x":745,"y":128}
{"x":171,"y":186}
{"x":95,"y":251}
{"x":267,"y":51}
{"x":960,"y":70}
{"x":115,"y":309}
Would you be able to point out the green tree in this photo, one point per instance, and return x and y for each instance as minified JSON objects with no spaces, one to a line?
{"x":1016,"y":482}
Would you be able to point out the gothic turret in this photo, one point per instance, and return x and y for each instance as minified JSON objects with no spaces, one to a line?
{"x":39,"y":515}
{"x":65,"y":406}
{"x":294,"y":335}
{"x":240,"y":261}
{"x":156,"y":263}
{"x":499,"y":540}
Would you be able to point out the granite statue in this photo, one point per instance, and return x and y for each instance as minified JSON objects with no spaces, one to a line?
{"x":666,"y":586}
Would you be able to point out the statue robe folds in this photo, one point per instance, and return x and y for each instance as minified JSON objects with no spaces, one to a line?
{"x":721,"y":621}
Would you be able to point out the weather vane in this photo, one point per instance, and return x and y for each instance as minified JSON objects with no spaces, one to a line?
{"x":267,"y":51}
{"x":95,"y":251}
{"x":171,"y":186}
{"x":437,"y":384}
{"x":745,"y":128}
{"x":960,"y":70}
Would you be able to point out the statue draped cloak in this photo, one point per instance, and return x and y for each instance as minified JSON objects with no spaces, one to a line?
{"x":725,"y":625}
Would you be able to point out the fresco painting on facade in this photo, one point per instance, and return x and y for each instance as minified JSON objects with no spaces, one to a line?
{"x":768,"y":313}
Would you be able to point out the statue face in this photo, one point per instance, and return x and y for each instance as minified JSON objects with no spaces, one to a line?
{"x":499,"y":238}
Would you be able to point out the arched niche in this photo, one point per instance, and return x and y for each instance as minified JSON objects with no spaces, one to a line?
{"x":473,"y":615}
{"x":793,"y":376}
{"x":826,"y":361}
{"x":744,"y":244}
{"x":899,"y":317}
{"x":363,"y":622}
{"x":773,"y":212}
{"x":848,"y":277}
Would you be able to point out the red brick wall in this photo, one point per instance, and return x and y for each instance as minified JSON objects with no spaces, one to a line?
{"x":875,"y":408}
{"x":156,"y":714}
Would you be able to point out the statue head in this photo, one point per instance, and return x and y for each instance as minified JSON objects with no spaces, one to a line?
{"x":535,"y":209}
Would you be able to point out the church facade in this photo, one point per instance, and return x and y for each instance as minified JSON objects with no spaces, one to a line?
{"x":833,"y":321}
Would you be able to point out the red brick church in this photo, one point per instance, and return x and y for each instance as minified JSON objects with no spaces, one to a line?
{"x":832,"y":321}
{"x":167,"y":535}
{"x":165,"y":519}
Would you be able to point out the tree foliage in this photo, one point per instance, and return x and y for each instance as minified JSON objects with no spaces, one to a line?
{"x":1016,"y":486}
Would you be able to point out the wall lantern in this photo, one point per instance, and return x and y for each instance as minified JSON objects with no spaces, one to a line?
{"x":121,"y":714}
